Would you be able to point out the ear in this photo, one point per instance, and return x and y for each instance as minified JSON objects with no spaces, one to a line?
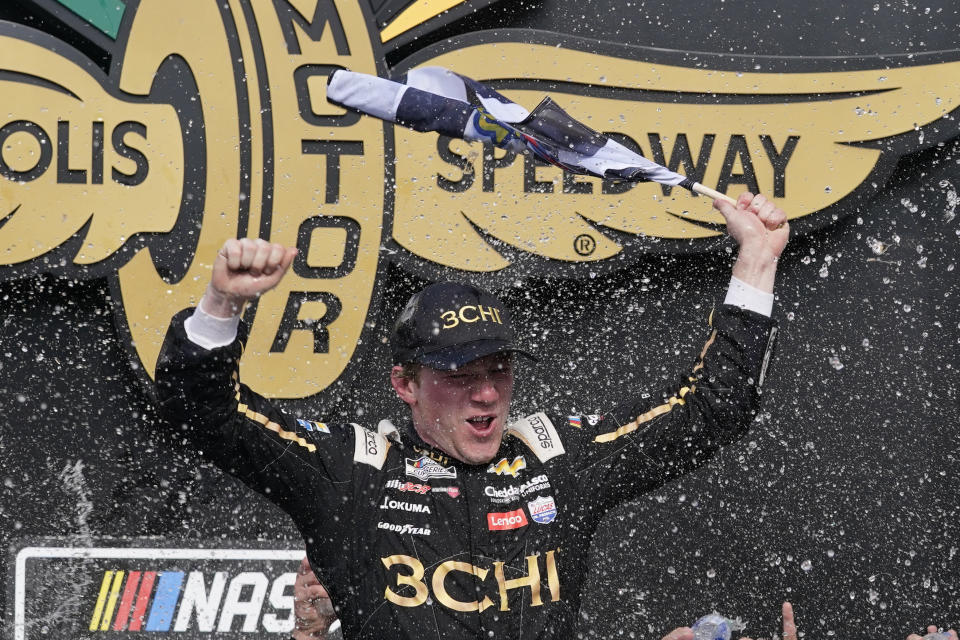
{"x":404,"y":386}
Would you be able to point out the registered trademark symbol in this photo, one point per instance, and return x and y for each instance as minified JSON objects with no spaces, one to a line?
{"x":584,"y":244}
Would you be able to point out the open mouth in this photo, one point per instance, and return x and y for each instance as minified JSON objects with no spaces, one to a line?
{"x":481,"y":425}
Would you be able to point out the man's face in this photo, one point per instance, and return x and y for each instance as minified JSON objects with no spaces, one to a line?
{"x":462,"y":412}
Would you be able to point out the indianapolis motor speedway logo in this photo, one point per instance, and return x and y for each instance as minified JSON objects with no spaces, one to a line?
{"x":212,"y":123}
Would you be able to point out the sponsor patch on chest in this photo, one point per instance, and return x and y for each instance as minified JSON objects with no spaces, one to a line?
{"x":413,"y":487}
{"x":512,"y":493}
{"x":404,"y":529}
{"x":505,"y":467}
{"x":423,"y":468}
{"x":543,"y":510}
{"x":506,"y":520}
{"x":453,"y":492}
{"x":403,"y":505}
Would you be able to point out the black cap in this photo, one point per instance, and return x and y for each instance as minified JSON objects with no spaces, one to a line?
{"x":447,"y":325}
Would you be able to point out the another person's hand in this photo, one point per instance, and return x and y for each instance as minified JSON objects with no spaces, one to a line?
{"x":680,"y":633}
{"x":243,"y":270}
{"x":312,"y":608}
{"x":789,"y":628}
{"x":933,"y":629}
{"x":789,"y":625}
{"x":761,"y":231}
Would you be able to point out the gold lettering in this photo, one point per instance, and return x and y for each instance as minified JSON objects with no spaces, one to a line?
{"x":497,"y":311}
{"x":452,"y":319}
{"x":465,"y":318}
{"x":440,"y":589}
{"x":485,"y":313}
{"x":532,"y":580}
{"x":553,"y":578}
{"x":433,"y":455}
{"x":415,"y":580}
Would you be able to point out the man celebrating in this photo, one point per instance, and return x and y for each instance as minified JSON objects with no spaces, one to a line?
{"x":455,"y":521}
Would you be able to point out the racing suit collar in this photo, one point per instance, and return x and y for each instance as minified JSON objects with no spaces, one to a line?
{"x":388,"y":430}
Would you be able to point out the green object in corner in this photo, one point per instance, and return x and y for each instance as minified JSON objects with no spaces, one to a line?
{"x":105,"y":15}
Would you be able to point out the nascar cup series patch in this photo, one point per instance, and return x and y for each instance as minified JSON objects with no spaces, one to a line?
{"x":543,"y":510}
{"x":424,"y":468}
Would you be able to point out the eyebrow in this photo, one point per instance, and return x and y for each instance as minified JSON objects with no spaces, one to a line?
{"x":499,"y":365}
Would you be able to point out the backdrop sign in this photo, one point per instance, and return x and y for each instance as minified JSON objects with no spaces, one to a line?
{"x":212,"y":123}
{"x":124,"y":592}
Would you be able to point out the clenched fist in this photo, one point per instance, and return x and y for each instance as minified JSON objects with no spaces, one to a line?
{"x":761,"y":231}
{"x":244,"y":269}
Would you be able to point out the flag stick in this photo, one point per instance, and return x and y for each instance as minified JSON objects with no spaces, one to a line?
{"x":707,"y":191}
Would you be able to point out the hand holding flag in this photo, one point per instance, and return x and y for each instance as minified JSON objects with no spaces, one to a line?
{"x":437,"y":99}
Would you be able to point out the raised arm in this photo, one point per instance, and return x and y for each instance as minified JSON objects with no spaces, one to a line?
{"x":653,"y":437}
{"x":298,"y":464}
{"x":243,"y":270}
{"x":761,"y":231}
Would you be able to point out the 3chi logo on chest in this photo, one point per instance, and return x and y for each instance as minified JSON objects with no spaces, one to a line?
{"x":408,"y":585}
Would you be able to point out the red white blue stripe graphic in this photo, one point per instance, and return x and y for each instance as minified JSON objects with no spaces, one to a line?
{"x":133,"y":609}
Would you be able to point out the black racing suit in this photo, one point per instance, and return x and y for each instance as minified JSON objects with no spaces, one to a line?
{"x":411,"y":543}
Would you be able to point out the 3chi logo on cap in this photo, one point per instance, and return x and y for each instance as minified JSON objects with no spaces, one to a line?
{"x":448,"y":324}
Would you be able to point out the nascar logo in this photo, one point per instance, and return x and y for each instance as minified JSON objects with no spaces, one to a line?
{"x":191,"y":592}
{"x":148,"y":600}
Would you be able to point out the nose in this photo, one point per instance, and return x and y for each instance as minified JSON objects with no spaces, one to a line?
{"x":484,"y":391}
